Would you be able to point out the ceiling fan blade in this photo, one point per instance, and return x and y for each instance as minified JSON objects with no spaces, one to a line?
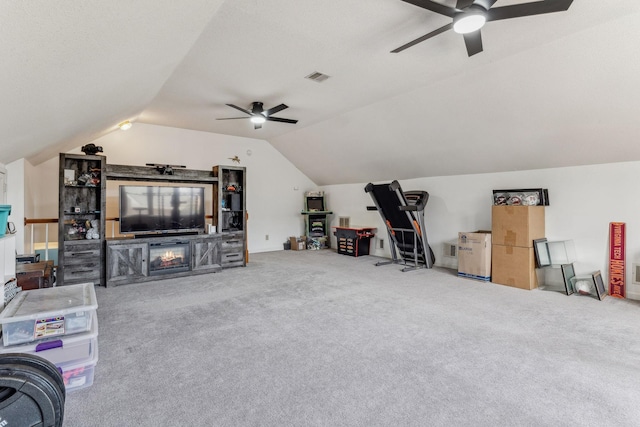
{"x":238,"y":108}
{"x":233,"y":118}
{"x":423,"y":38}
{"x":257,"y":125}
{"x":473,"y":41}
{"x":434,"y":7}
{"x":278,"y":119}
{"x":527,"y":9}
{"x":275,"y":109}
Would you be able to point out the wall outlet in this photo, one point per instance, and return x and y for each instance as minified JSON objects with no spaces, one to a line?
{"x":381,"y":245}
{"x":266,"y":237}
{"x":635,"y":273}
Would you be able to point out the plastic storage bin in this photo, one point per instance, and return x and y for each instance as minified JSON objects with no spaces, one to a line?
{"x":63,"y":350}
{"x":45,"y":313}
{"x":5,"y":211}
{"x":79,"y":375}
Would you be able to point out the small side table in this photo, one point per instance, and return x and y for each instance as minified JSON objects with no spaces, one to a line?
{"x":355,"y":240}
{"x":35,"y":275}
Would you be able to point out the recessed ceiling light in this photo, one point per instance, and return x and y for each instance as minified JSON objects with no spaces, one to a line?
{"x":126,"y":125}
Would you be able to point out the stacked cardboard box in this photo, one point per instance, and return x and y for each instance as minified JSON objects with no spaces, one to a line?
{"x":513,"y":230}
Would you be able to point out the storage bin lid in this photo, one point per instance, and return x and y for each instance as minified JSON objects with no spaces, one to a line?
{"x":57,"y":301}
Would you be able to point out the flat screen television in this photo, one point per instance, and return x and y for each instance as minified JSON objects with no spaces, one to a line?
{"x":151,"y":209}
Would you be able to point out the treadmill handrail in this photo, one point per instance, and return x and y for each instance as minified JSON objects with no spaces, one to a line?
{"x":409,"y":208}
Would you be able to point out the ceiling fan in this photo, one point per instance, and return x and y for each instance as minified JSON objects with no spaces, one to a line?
{"x":470,"y":15}
{"x":258,"y":115}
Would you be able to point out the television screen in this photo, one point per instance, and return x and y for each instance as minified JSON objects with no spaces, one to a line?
{"x":315,"y":203}
{"x":156,"y":209}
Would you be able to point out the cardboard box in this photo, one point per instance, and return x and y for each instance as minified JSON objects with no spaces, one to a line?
{"x":474,"y":255}
{"x":298,"y":243}
{"x":517,"y":225}
{"x":513,"y":266}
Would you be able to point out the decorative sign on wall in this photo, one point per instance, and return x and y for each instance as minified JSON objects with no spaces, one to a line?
{"x":616,"y":259}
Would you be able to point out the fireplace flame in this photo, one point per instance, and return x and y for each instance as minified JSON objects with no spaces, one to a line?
{"x":168,"y":256}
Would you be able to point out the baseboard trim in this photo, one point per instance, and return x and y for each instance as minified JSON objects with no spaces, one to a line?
{"x":633,"y":295}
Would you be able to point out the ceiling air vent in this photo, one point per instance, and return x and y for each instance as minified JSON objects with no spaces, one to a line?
{"x":317,"y":77}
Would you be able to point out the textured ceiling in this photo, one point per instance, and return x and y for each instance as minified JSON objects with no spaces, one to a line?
{"x":549,"y":90}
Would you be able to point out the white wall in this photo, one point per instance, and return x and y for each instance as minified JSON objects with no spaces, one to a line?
{"x":583,"y":200}
{"x":3,"y":184}
{"x":272,"y":203}
{"x":16,"y":188}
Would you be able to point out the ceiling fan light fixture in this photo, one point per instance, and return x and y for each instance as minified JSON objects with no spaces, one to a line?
{"x":472,"y":19}
{"x":258,"y":119}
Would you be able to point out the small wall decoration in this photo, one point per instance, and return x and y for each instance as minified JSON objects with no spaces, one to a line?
{"x":617,"y":259}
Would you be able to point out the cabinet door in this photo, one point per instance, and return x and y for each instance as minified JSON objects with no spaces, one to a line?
{"x":125,"y":262}
{"x":205,"y":254}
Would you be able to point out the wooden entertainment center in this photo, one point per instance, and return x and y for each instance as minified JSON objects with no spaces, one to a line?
{"x":86,"y":255}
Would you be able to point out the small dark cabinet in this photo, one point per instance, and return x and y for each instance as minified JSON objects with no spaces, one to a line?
{"x":354,"y":241}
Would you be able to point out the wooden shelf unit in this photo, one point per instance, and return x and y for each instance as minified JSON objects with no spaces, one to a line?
{"x":112,"y":262}
{"x":81,"y":200}
{"x":230,"y":212}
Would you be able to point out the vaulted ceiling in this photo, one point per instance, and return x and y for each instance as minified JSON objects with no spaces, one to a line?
{"x":547,"y":91}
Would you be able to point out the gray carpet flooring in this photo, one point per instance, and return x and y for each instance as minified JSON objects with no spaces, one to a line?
{"x":313,"y":338}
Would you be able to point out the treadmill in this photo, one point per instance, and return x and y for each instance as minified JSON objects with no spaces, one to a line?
{"x":403,"y":215}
